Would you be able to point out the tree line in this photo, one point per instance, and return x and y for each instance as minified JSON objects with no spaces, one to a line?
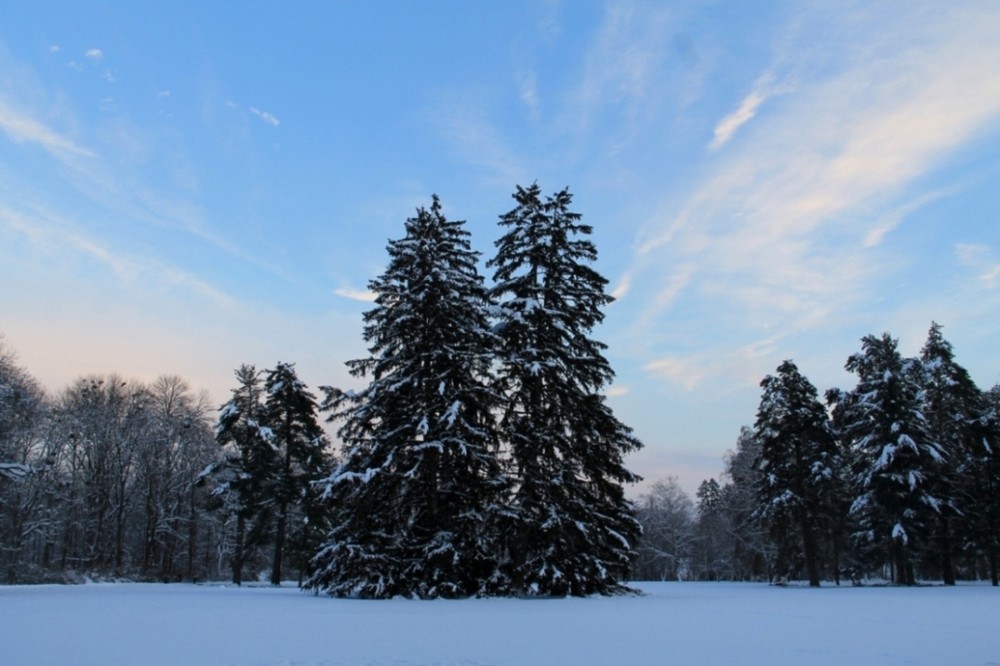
{"x":480,"y":459}
{"x":100,"y":480}
{"x":897,"y":479}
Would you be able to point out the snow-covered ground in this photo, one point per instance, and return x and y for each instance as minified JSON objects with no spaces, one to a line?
{"x":674,"y":623}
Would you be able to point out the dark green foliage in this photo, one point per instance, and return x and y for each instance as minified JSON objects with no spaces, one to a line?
{"x":895,"y":457}
{"x":572,"y":530}
{"x":301,"y":460}
{"x":415,"y":498}
{"x":951,"y":403}
{"x":798,"y":463}
{"x":247,"y":475}
{"x":982,"y":508}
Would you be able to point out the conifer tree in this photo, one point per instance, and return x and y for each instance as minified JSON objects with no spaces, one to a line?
{"x":984,"y":515}
{"x":951,"y":405}
{"x":710,"y":531}
{"x":798,"y":462}
{"x":248,"y":470}
{"x":302,"y":458}
{"x":895,"y":459}
{"x":415,"y":496}
{"x":572,"y":529}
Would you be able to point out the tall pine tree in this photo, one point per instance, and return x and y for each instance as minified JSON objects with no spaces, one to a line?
{"x":798,"y":462}
{"x":572,"y":529}
{"x":415,"y":496}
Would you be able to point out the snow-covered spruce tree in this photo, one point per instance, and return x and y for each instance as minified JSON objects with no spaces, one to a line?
{"x":572,"y":529}
{"x":246,"y":476}
{"x":302,"y":452}
{"x":799,"y":462}
{"x":895,"y":459}
{"x":952,"y":405}
{"x":416,"y":493}
{"x":984,"y":520}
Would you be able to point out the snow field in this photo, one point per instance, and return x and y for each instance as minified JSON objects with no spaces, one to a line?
{"x":674,"y":623}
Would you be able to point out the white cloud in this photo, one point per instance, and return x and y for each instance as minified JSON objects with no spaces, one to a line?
{"x":981,"y":260}
{"x":617,"y":391}
{"x":265,"y":116}
{"x":686,"y":372}
{"x":622,"y":64}
{"x":64,"y":243}
{"x":778,"y":227}
{"x":463,"y":122}
{"x":94,"y":54}
{"x":25,"y":129}
{"x":747,"y":109}
{"x":355,"y":294}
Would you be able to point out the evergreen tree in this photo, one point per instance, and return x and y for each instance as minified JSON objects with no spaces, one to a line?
{"x":572,"y":529}
{"x":984,"y":509}
{"x":798,"y":464}
{"x":301,"y":460}
{"x":415,"y":497}
{"x":248,"y":471}
{"x":895,"y":459}
{"x":951,"y":405}
{"x":710,"y":532}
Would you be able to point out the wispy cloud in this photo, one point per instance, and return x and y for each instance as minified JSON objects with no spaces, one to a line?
{"x":355,"y":294}
{"x":528,"y":92}
{"x":65,"y":243}
{"x":22,"y":128}
{"x":622,"y":64}
{"x":744,"y":113}
{"x":94,"y":54}
{"x":779,"y":229}
{"x":466,"y":125}
{"x":982,"y":261}
{"x":617,"y":391}
{"x":265,"y":116}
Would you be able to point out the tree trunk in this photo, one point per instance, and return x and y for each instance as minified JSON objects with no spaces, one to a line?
{"x":279,"y":543}
{"x":947,"y":565}
{"x":192,"y":538}
{"x":241,"y":524}
{"x":809,"y":548}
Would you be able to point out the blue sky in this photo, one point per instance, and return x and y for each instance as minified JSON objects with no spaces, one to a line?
{"x":188,"y":186}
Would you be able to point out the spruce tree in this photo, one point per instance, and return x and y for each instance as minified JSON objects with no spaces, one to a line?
{"x":798,"y":462}
{"x":247,"y":473}
{"x":572,"y":530}
{"x":895,"y":459}
{"x":984,"y":515}
{"x":415,"y":496}
{"x":302,"y":458}
{"x":951,"y":404}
